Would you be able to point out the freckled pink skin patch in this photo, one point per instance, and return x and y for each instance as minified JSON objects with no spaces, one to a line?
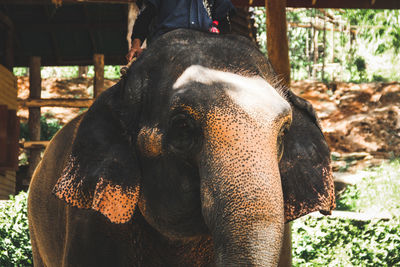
{"x":150,"y":141}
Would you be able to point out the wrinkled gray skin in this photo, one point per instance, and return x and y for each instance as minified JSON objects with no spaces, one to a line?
{"x":178,"y":164}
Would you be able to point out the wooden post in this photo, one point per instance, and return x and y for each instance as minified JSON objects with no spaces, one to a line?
{"x":9,"y":50}
{"x":3,"y":133}
{"x":332,"y":49}
{"x":82,"y":71}
{"x":277,"y":42}
{"x":98,"y":82}
{"x":13,"y":139}
{"x":323,"y":55}
{"x":278,"y":54}
{"x":35,"y":89}
{"x":9,"y":42}
{"x":285,"y":259}
{"x":315,"y":54}
{"x":309,"y":40}
{"x":333,"y":44}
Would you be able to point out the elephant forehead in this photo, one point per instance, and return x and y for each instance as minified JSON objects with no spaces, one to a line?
{"x":254,"y":95}
{"x":207,"y":76}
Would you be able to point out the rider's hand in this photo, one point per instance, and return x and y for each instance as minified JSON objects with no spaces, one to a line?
{"x":135,"y":51}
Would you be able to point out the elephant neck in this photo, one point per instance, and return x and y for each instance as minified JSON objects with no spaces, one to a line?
{"x":151,"y":248}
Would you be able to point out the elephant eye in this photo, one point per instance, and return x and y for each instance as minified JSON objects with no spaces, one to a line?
{"x":280,"y":143}
{"x":182,"y":133}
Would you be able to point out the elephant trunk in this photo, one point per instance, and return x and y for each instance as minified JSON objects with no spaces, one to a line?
{"x":242,"y":199}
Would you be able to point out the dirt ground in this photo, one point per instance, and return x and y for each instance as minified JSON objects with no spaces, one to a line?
{"x":59,"y":88}
{"x":361,"y":122}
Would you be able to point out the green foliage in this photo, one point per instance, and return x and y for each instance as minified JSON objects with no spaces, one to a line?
{"x":377,"y":26}
{"x":20,"y":71}
{"x":65,"y":72}
{"x":259,"y":23}
{"x":378,"y":78}
{"x":15,"y":247}
{"x":370,"y":53}
{"x":338,"y":242}
{"x":357,"y":69}
{"x":48,"y":128}
{"x":348,"y":200}
{"x":112,"y":72}
{"x":379,"y":191}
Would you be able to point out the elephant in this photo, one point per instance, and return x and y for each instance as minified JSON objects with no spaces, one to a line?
{"x":198,"y":156}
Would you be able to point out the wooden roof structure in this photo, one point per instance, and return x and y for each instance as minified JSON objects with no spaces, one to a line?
{"x":369,"y":4}
{"x":69,"y":32}
{"x":64,"y":35}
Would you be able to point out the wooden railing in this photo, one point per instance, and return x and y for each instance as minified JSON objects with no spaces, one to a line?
{"x":55,"y":102}
{"x":35,"y":102}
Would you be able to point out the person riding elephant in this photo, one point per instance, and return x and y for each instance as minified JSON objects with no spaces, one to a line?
{"x":197,"y":157}
{"x":161,"y":16}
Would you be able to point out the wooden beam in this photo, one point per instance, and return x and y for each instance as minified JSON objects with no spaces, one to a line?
{"x":50,"y":2}
{"x":9,"y":43}
{"x":365,"y":4}
{"x":35,"y":144}
{"x":6,"y":20}
{"x":68,"y":27}
{"x":100,"y":1}
{"x":56,"y":50}
{"x":318,"y":27}
{"x":55,"y":102}
{"x":277,"y":42}
{"x":35,"y":89}
{"x":9,"y":50}
{"x":91,"y":35}
{"x":98,"y":79}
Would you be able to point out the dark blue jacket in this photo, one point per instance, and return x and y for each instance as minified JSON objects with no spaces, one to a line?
{"x":160,"y":16}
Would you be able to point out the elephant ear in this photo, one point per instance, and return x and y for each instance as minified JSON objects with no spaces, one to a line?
{"x":305,"y":168}
{"x":102,"y":172}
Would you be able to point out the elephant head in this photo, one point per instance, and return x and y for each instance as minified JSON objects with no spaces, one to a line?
{"x":200,"y":139}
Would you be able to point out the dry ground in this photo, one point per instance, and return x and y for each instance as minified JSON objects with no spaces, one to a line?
{"x":361,"y":122}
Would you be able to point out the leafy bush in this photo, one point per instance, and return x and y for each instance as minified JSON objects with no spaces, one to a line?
{"x":348,"y":200}
{"x":338,"y":242}
{"x":379,"y":191}
{"x":15,"y":246}
{"x":374,"y":50}
{"x":48,"y":128}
